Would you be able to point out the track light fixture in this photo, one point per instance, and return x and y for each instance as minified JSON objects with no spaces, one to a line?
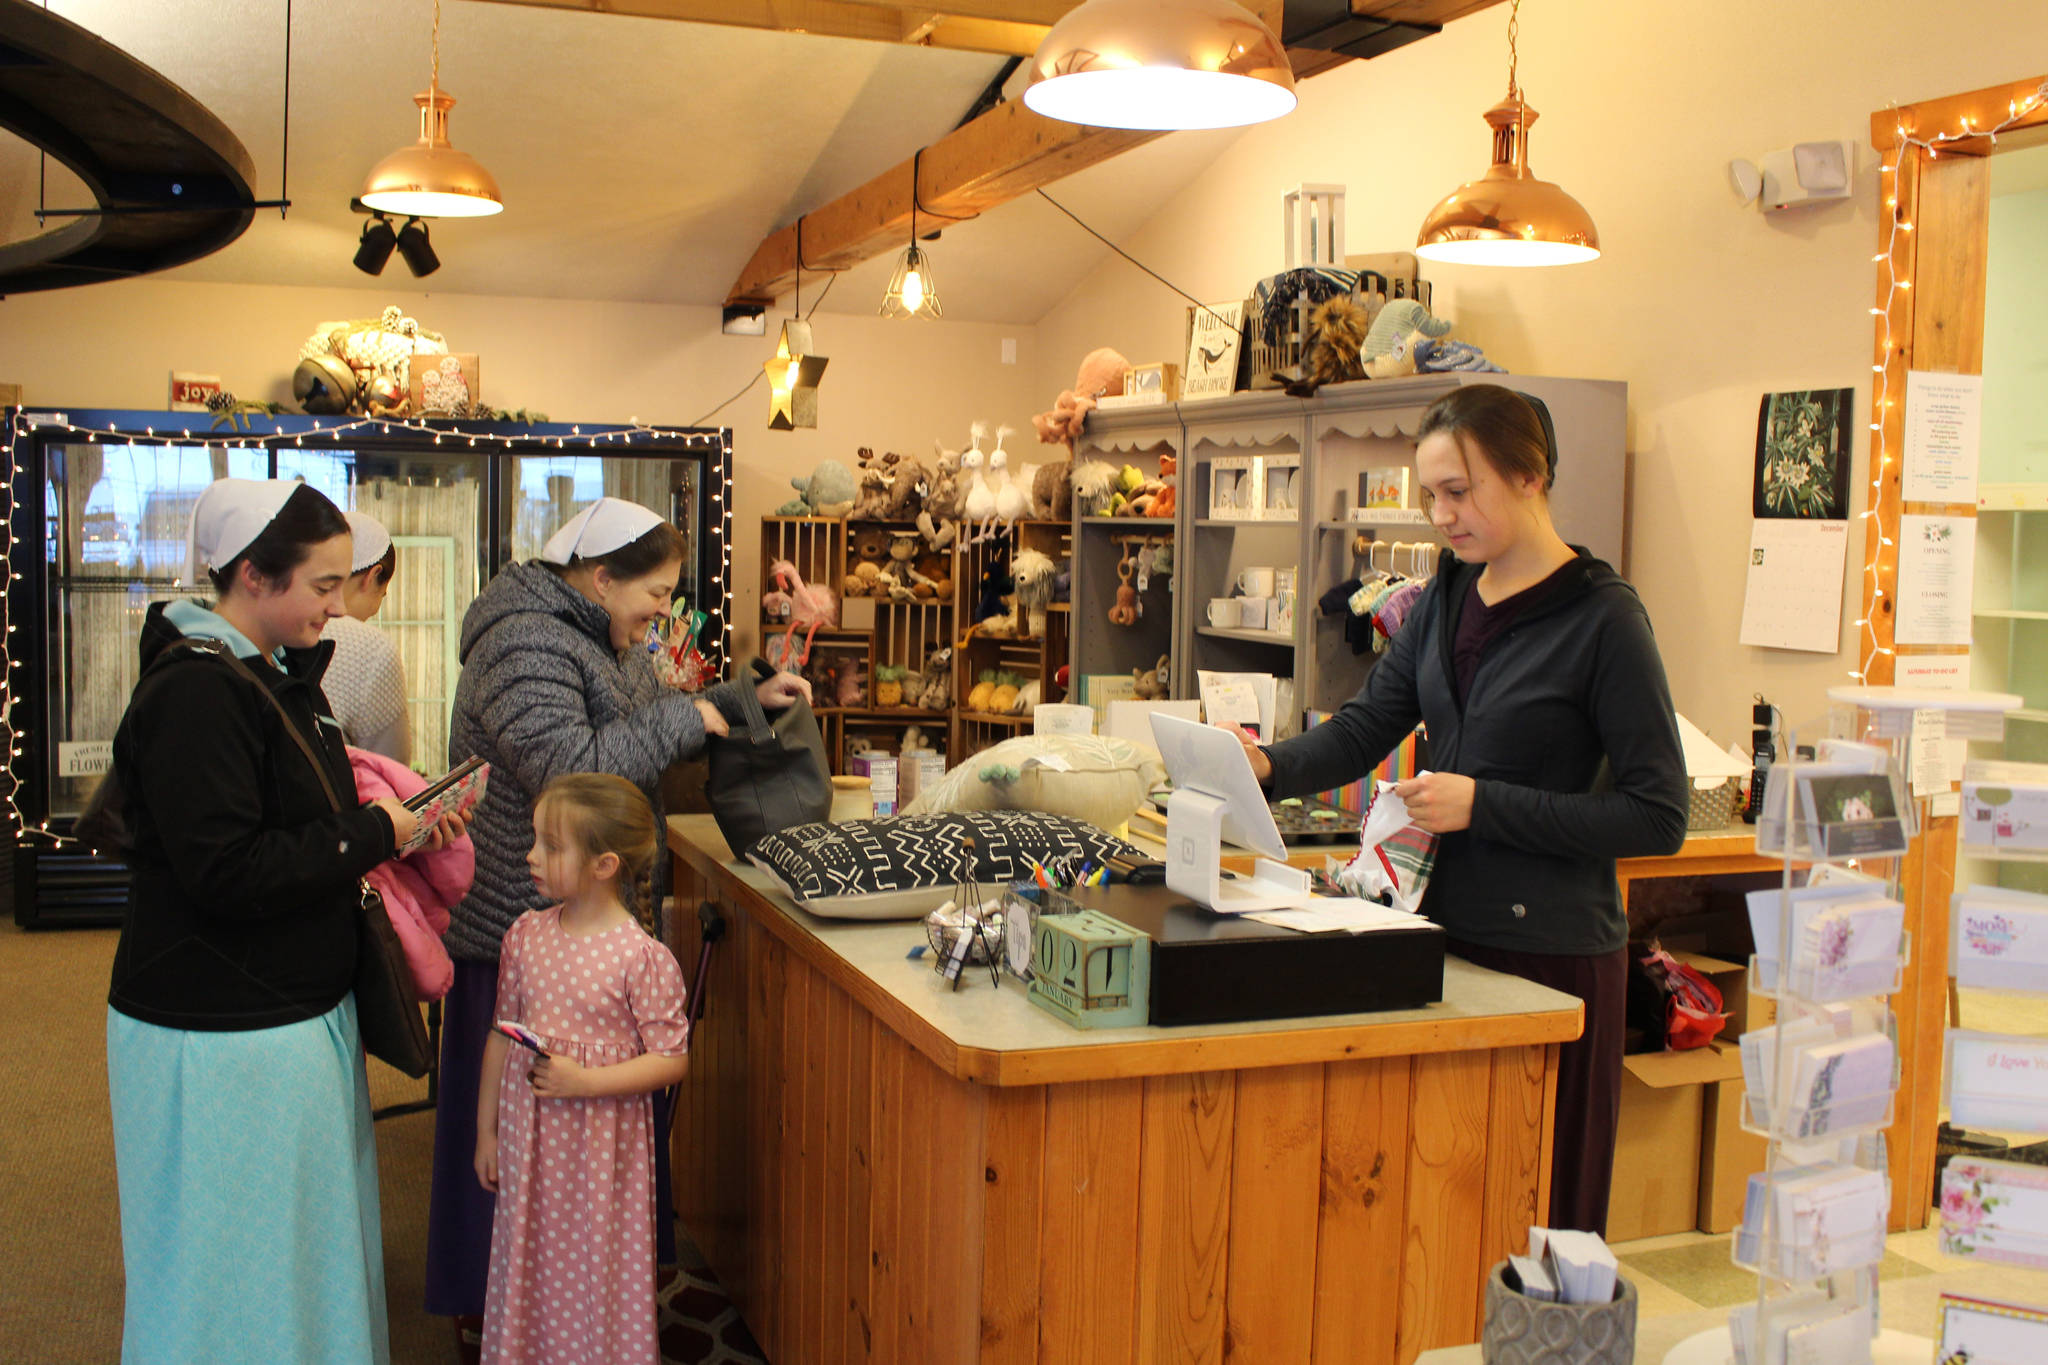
{"x":417,"y":250}
{"x":380,"y":239}
{"x":375,"y":248}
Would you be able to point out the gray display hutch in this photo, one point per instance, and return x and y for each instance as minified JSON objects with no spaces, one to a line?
{"x":1341,"y":432}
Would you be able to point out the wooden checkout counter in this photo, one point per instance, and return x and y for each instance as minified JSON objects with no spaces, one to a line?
{"x":880,"y":1168}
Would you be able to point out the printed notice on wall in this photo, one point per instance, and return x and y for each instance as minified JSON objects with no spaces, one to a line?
{"x":1936,"y":559}
{"x":1938,"y":673}
{"x":1944,"y":416}
{"x":1794,"y":597}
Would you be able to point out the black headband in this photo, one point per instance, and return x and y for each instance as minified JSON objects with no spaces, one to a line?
{"x":1549,"y":428}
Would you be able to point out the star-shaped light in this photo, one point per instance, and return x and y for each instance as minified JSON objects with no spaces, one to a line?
{"x":793,"y":377}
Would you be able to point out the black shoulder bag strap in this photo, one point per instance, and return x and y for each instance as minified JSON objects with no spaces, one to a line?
{"x":387,"y":999}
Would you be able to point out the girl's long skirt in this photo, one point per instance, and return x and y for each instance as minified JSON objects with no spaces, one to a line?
{"x":248,"y":1171}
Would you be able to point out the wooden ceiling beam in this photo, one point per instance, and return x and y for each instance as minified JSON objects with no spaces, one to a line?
{"x":1002,"y":27}
{"x":1005,"y":153}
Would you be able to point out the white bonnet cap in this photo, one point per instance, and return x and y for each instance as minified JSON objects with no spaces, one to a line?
{"x":228,"y":517}
{"x":599,"y":529}
{"x":371,"y":540}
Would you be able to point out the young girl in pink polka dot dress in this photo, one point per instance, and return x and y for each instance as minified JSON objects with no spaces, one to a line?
{"x":566,"y":1136}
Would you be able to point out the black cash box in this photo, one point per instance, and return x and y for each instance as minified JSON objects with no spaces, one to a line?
{"x":1225,"y":969}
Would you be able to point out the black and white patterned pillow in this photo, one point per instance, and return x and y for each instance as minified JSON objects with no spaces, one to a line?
{"x":899,"y":867}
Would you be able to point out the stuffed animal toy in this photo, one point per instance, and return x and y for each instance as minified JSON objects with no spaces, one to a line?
{"x":937,"y":534}
{"x":908,"y":482}
{"x":1028,"y":697}
{"x":1101,"y":374}
{"x":937,"y":570}
{"x":853,"y":685}
{"x":902,"y":553}
{"x":1033,"y":572}
{"x":1397,"y":320}
{"x":1445,"y":355}
{"x":1398,"y":359}
{"x":862,"y":581}
{"x":1052,"y":490}
{"x":860,"y":746}
{"x":942,"y":496}
{"x":872,"y":501}
{"x":775,"y":605}
{"x":1336,"y":335}
{"x":1013,"y":500}
{"x":914,"y":742}
{"x":996,"y":584}
{"x":1094,"y":484}
{"x":1003,"y":700}
{"x":1002,"y":625}
{"x":1129,"y":483}
{"x":889,"y":684}
{"x":811,"y":609}
{"x":829,"y":491}
{"x":978,"y":500}
{"x":1163,"y":501}
{"x":1149,"y":684}
{"x":1125,"y":612}
{"x":984,"y":688}
{"x":938,"y":680}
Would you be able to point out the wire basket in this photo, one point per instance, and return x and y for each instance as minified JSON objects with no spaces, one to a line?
{"x":964,"y":932}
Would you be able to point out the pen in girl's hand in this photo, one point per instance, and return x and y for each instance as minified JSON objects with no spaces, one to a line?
{"x":522,"y":1035}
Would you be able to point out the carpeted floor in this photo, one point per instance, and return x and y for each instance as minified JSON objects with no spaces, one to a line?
{"x":60,"y":1228}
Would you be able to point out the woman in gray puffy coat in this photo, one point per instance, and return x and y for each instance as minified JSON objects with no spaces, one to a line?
{"x":555,"y":679}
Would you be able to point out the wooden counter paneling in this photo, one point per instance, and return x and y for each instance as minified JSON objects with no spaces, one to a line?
{"x":862,"y":1204}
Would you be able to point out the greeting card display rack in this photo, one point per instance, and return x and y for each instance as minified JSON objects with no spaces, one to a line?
{"x":1839,"y":805}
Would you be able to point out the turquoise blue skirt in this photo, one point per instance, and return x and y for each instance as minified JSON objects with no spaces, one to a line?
{"x":249,"y":1223}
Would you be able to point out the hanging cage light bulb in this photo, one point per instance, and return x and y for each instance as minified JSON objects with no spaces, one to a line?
{"x":913,"y":293}
{"x":430,"y":178}
{"x":1508,"y":216}
{"x":1162,"y":64}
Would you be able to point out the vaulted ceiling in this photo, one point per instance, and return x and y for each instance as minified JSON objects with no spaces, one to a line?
{"x":646,"y":153}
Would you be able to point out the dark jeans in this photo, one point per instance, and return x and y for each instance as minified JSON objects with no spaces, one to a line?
{"x":1588,"y":1075}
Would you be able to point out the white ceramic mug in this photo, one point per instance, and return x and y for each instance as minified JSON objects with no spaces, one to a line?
{"x":1255,"y":582}
{"x":1224,"y":611}
{"x":1252,"y":612}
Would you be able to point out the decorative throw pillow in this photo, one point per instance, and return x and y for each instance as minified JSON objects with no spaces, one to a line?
{"x":904,"y":866}
{"x":1095,"y":778}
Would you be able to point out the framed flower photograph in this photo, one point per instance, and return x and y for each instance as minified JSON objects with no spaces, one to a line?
{"x":1802,"y":455}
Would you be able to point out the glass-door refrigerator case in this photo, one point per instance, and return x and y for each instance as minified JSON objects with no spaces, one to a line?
{"x":101,"y":503}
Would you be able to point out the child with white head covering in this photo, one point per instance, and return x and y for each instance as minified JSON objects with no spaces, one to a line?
{"x":366,"y":679}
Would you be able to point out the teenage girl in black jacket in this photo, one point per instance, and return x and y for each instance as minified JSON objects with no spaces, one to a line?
{"x":248,"y":1172}
{"x":1553,"y":746}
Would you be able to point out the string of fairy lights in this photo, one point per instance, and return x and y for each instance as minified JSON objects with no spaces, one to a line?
{"x":1898,"y":289}
{"x":268,"y":433}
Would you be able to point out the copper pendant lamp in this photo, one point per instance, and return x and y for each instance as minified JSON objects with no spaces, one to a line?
{"x":1508,"y":216}
{"x":1161,"y":64}
{"x":430,"y":178}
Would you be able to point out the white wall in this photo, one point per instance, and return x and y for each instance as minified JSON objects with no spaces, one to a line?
{"x":1701,"y":304}
{"x":890,"y":385}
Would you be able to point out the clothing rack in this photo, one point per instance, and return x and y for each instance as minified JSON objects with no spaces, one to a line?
{"x":1409,"y":558}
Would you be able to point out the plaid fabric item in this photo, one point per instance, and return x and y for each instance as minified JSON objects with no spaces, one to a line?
{"x":1395,"y":856}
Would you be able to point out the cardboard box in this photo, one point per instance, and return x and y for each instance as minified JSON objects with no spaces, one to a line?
{"x":1728,"y":1155}
{"x":1655,"y":1189}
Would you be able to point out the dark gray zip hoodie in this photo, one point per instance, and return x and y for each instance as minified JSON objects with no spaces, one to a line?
{"x":1569,"y":735}
{"x":542,"y":693}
